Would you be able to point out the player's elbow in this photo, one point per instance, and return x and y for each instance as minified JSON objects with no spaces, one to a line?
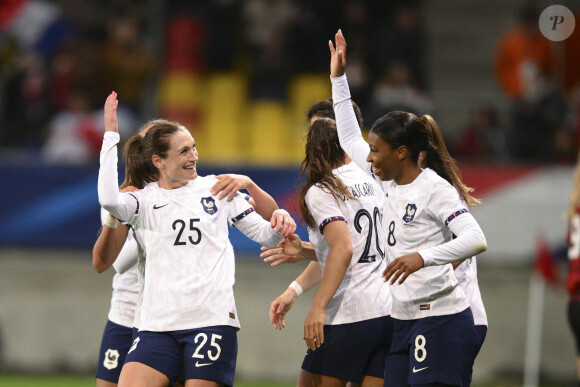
{"x":98,"y":263}
{"x":346,"y":250}
{"x":99,"y":268}
{"x":107,"y":205}
{"x":481,"y":245}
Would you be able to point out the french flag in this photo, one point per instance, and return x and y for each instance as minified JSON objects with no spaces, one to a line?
{"x":35,"y":24}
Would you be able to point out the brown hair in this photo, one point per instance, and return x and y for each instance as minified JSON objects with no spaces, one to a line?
{"x":439,"y":155}
{"x":323,"y":154}
{"x":325,"y":109}
{"x":139,"y":171}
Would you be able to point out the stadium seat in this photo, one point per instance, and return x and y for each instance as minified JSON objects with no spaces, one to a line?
{"x":306,"y":89}
{"x":266,"y":130}
{"x":224,"y":105}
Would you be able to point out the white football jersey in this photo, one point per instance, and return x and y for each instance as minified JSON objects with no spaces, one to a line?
{"x":357,"y":148}
{"x":362,"y":294}
{"x":416,"y":218}
{"x":125,"y":290}
{"x":186,"y":261}
{"x":466,"y":274}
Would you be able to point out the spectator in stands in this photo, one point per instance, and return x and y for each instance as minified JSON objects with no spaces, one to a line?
{"x":75,"y":134}
{"x":526,"y":71}
{"x":24,"y":109}
{"x":402,"y":40}
{"x":482,"y":137}
{"x":127,"y":60}
{"x":397,"y":91}
{"x":266,"y":24}
{"x":224,"y":24}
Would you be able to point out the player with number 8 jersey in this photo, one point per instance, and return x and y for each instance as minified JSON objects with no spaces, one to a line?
{"x":428,"y":227}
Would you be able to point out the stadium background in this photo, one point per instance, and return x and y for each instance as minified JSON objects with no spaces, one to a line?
{"x":53,"y":306}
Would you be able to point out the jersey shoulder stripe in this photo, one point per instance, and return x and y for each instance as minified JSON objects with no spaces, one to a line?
{"x":328,"y":220}
{"x":455,"y":215}
{"x":242,"y":215}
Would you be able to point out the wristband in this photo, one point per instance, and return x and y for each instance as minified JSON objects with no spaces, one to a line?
{"x":297,"y":288}
{"x":111,"y":221}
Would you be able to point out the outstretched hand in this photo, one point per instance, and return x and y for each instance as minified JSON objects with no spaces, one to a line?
{"x":287,"y":251}
{"x":402,"y":267}
{"x":111,"y":103}
{"x":337,"y":55}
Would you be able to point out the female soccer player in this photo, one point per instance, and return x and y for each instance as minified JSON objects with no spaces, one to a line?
{"x":348,"y":329}
{"x":118,"y":333}
{"x":116,"y":247}
{"x":186,"y":312}
{"x":573,"y":279}
{"x":424,"y":209}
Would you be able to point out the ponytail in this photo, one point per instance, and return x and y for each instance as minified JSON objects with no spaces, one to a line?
{"x":323,"y":154}
{"x":139,"y":171}
{"x":438,"y":158}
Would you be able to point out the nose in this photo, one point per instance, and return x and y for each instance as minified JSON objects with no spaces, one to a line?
{"x":369,"y":158}
{"x":194,"y":155}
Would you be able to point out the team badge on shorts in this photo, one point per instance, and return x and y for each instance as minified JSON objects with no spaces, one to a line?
{"x":111,"y":359}
{"x":409,"y":212}
{"x":209,"y":205}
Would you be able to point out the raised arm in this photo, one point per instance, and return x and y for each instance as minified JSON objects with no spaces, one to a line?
{"x":349,"y":132}
{"x":122,"y":206}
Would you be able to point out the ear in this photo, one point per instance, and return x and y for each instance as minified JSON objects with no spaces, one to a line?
{"x":402,"y":152}
{"x":157,"y":161}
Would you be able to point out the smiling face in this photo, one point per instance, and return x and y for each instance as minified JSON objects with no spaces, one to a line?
{"x":385,"y":160}
{"x":179,"y":166}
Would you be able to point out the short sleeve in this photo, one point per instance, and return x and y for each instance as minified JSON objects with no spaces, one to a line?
{"x":446,"y":203}
{"x":323,"y":207}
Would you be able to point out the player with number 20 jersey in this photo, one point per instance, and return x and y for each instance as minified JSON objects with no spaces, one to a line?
{"x":362,"y":294}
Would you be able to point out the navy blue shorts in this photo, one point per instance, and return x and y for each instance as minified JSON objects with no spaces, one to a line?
{"x":353,"y":350}
{"x":115,"y":344}
{"x":204,"y":353}
{"x":480,"y":331}
{"x":431,"y":350}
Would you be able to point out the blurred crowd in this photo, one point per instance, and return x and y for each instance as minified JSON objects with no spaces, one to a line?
{"x":60,"y":58}
{"x":541,"y":79}
{"x":55,"y":78}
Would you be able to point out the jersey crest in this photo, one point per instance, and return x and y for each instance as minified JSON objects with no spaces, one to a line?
{"x":410,"y":212}
{"x":209,"y":205}
{"x":111,"y":359}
